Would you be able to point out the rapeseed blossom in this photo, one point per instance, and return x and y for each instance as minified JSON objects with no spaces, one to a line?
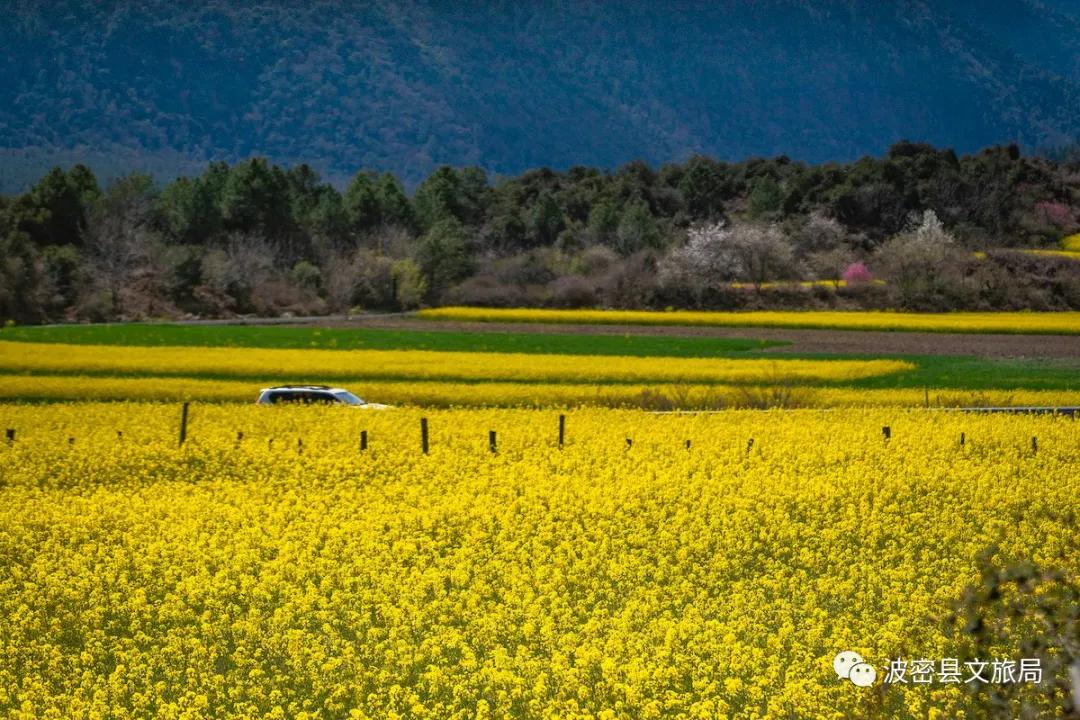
{"x":1063,"y":323}
{"x":420,"y":365}
{"x":528,"y":394}
{"x":268,"y":568}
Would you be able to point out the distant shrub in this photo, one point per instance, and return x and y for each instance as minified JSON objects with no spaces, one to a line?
{"x":409,"y":284}
{"x":572,"y":291}
{"x":680,"y":397}
{"x":766,"y":397}
{"x":307,"y":275}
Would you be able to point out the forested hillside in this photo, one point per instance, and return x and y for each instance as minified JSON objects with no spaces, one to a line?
{"x":919,"y":229}
{"x":165,"y":87}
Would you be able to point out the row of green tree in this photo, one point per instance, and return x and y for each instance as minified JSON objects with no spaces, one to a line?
{"x":258,"y":238}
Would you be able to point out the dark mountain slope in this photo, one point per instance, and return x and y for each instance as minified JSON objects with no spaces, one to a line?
{"x":405,"y":86}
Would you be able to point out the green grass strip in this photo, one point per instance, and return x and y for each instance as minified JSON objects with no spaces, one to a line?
{"x":262,"y":336}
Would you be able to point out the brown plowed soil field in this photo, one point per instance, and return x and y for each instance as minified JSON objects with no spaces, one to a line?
{"x":803,"y":341}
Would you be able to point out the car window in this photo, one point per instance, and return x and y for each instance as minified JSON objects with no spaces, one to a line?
{"x":288,"y":397}
{"x":348,"y":398}
{"x":305,"y":397}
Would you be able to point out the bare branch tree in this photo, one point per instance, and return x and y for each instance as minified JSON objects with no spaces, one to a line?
{"x":120,"y":243}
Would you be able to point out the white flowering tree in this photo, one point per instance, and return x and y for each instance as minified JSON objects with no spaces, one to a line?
{"x":921,"y":262}
{"x":708,"y":259}
{"x":718,"y":253}
{"x":820,"y":234}
{"x":766,"y":253}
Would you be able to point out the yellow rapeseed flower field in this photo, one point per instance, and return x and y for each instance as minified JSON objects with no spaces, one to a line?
{"x":18,"y":357}
{"x":269,"y":569}
{"x":1067,"y":254}
{"x":968,"y":322}
{"x":797,"y":283}
{"x":656,"y":396}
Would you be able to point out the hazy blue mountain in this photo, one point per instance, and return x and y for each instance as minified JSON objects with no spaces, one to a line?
{"x":405,"y":86}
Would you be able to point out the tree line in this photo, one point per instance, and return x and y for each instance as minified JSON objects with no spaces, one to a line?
{"x":920,"y":228}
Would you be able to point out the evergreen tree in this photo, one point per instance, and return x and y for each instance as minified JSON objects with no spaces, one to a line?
{"x":474,"y":196}
{"x":255,"y":200}
{"x":438,"y":198}
{"x":702,"y":188}
{"x":56,"y":209}
{"x":766,"y":197}
{"x":637,"y":230}
{"x":188,"y":212}
{"x":604,"y":222}
{"x":545,"y":220}
{"x":362,"y":202}
{"x":443,"y":255}
{"x":394,"y":205}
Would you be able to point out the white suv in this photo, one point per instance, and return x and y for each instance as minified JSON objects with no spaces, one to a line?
{"x":313,"y":394}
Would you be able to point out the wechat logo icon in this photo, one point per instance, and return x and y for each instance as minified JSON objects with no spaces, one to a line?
{"x":850,"y":665}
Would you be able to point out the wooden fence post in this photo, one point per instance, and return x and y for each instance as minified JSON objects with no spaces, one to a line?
{"x":562,"y":430}
{"x":10,"y":434}
{"x":491,"y":441}
{"x":183,"y":423}
{"x":424,"y":435}
{"x":887,"y":432}
{"x":363,"y":440}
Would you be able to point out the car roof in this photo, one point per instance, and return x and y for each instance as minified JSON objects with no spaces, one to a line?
{"x":287,"y":388}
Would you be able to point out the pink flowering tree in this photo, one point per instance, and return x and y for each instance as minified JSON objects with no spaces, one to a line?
{"x":857,"y":272}
{"x":1054,"y":213}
